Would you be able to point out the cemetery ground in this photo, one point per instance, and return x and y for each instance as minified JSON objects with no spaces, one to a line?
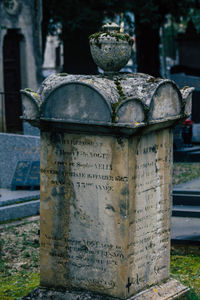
{"x":19,"y":255}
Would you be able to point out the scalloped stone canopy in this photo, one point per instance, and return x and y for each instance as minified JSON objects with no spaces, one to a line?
{"x":134,"y":100}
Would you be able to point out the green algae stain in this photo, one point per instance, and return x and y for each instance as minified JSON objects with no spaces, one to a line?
{"x":186,"y":269}
{"x":18,"y":285}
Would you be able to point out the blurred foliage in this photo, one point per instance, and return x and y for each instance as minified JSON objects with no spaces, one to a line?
{"x":80,"y":18}
{"x":86,"y":15}
{"x":183,"y":172}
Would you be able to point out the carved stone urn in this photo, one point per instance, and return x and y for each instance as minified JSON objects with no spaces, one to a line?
{"x":110,"y":48}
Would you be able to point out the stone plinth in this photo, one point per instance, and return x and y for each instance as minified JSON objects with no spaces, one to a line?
{"x":106,"y":159}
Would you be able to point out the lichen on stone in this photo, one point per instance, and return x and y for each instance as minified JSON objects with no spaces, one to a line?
{"x":121,"y":98}
{"x":62,"y":74}
{"x":28,"y":90}
{"x":117,"y":35}
{"x":36,"y":96}
{"x":119,"y":89}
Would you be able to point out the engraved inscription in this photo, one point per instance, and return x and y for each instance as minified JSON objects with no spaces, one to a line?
{"x":149,"y":248}
{"x":108,"y":206}
{"x":84,"y":172}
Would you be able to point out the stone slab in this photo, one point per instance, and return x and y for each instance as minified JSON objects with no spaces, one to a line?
{"x":186,"y":211}
{"x":185,"y":229}
{"x":189,"y":149}
{"x":8,"y":197}
{"x":190,"y":192}
{"x":171,"y":289}
{"x":186,"y":199}
{"x":30,"y":130}
{"x":21,"y":210}
{"x":14,"y":148}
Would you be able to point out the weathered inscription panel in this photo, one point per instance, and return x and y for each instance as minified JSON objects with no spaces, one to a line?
{"x":148,"y":248}
{"x":84,"y":208}
{"x":105,"y":211}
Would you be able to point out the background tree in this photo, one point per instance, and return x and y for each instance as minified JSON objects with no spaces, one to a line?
{"x":80,"y":18}
{"x":150,"y":15}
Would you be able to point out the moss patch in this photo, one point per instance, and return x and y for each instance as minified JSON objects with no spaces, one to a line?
{"x":121,"y":98}
{"x":186,"y":268}
{"x":29,"y":90}
{"x":18,"y":285}
{"x":63,"y":74}
{"x":119,"y":36}
{"x":119,"y":90}
{"x":19,"y":260}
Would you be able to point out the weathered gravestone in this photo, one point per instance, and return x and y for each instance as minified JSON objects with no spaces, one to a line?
{"x":106,"y":162}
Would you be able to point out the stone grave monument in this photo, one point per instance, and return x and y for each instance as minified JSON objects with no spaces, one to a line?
{"x":106,"y":163}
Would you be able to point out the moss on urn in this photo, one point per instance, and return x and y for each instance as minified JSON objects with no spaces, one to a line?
{"x":110,"y":48}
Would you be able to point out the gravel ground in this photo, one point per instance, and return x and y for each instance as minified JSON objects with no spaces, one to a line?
{"x":19,"y":247}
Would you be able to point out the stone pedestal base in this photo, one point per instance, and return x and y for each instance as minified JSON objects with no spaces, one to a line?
{"x":171,"y":289}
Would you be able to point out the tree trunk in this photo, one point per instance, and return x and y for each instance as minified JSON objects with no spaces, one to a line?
{"x":77,"y":57}
{"x":147,"y":45}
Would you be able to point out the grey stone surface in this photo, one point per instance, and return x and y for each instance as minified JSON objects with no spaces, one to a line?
{"x":182,"y":80}
{"x":14,"y":148}
{"x":8,"y":197}
{"x":185,"y":229}
{"x":186,"y":211}
{"x":20,"y":210}
{"x":186,"y":199}
{"x":30,"y":130}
